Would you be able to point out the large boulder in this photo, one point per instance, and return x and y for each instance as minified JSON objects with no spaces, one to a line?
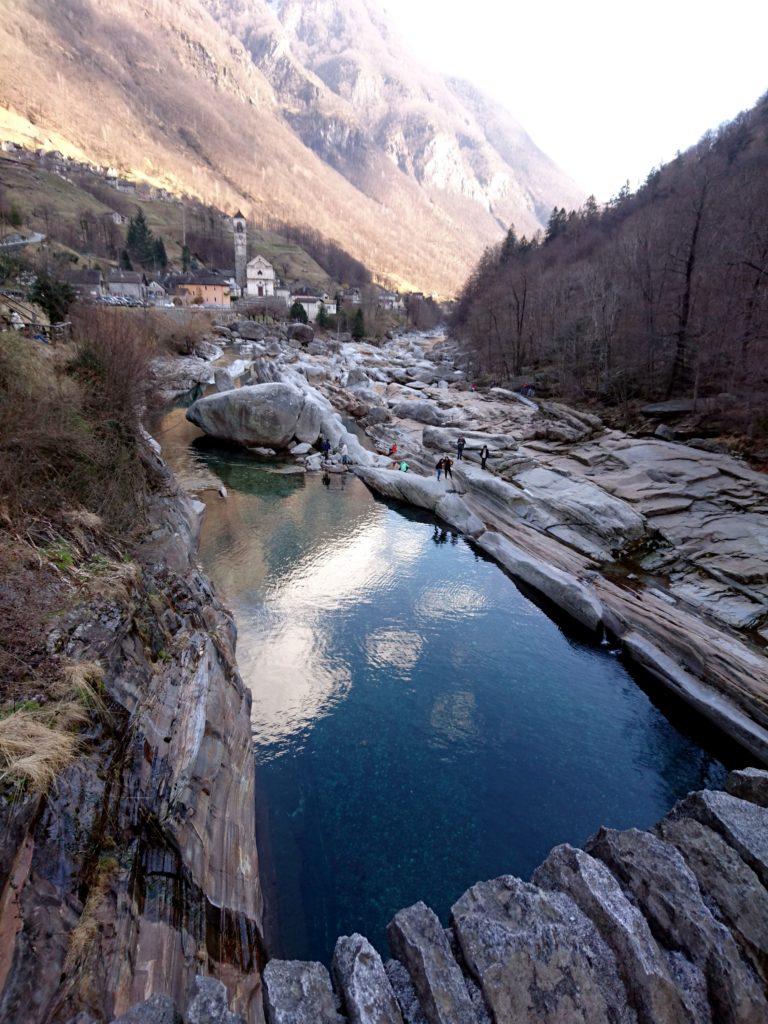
{"x":421,"y":410}
{"x":658,"y":880}
{"x":298,"y":993}
{"x":418,"y":941}
{"x":538,"y":958}
{"x":258,"y":415}
{"x":249,"y":329}
{"x":302,"y":333}
{"x":208,"y":1004}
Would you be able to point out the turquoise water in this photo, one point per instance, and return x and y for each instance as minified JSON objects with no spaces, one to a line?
{"x":419,"y":722}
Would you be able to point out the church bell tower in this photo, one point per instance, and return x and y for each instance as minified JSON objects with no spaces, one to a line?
{"x":241,"y":251}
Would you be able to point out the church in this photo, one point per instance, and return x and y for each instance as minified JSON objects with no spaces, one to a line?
{"x":260,"y":277}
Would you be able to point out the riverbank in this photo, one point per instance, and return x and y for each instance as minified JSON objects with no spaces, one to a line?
{"x":660,"y":544}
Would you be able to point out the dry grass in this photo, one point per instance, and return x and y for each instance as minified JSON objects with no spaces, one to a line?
{"x":35,"y":745}
{"x":37,"y":742}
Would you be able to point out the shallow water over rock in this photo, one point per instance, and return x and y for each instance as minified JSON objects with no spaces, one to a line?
{"x":419,"y":722}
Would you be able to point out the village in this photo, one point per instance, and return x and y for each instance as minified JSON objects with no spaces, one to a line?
{"x":246,"y":281}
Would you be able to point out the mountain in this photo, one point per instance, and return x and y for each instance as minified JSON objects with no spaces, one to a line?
{"x":307,"y":112}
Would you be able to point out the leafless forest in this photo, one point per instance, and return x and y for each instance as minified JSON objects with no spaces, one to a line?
{"x":661,"y":294}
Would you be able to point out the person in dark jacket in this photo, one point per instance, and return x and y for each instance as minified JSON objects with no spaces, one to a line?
{"x":460,"y":446}
{"x":484,"y":453}
{"x":440,"y":466}
{"x":447,"y":464}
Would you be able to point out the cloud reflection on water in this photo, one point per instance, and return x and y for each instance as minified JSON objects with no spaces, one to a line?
{"x":287,"y":655}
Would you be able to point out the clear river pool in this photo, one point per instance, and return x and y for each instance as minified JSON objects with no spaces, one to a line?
{"x":420,"y":722}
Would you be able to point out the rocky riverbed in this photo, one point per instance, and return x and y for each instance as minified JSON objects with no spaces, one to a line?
{"x":627,"y":535}
{"x":662,"y":545}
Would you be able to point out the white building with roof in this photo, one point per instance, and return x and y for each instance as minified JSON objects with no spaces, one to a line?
{"x":261,"y":278}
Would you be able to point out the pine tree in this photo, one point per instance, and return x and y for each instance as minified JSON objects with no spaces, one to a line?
{"x":53,"y":295}
{"x":186,"y":258}
{"x":509,"y":246}
{"x":556,"y":224}
{"x":298,"y":313}
{"x":322,"y":317}
{"x":125,"y":260}
{"x":140,"y":241}
{"x":159,"y":254}
{"x":358,"y":326}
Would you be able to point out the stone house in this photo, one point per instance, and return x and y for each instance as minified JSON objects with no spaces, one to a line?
{"x":127,"y":284}
{"x":156,"y":292}
{"x":86,"y":283}
{"x":261,"y":278}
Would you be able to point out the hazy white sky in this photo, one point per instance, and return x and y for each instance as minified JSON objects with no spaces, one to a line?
{"x":607,"y":88}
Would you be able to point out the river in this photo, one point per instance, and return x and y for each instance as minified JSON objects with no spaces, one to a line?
{"x":420,"y":722}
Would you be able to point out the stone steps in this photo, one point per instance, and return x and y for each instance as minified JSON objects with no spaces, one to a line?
{"x":668,"y":926}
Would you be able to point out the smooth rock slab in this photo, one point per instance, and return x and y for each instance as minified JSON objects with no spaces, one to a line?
{"x":364,"y":985}
{"x":743,"y":825}
{"x":418,"y":941}
{"x":260,"y":414}
{"x":656,"y":876}
{"x":729,"y":885}
{"x":298,"y":993}
{"x":538,"y":959}
{"x":563,"y":589}
{"x":642,"y":964}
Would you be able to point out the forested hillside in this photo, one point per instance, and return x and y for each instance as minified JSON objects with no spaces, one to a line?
{"x":661,"y":294}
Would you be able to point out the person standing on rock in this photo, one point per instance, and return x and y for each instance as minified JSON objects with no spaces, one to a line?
{"x":447,"y":464}
{"x":484,"y":453}
{"x":344,"y":452}
{"x":440,"y":466}
{"x":325,"y":447}
{"x":460,"y":446}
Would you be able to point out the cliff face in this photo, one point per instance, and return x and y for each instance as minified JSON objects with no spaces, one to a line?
{"x":139,"y":871}
{"x":310,"y":113}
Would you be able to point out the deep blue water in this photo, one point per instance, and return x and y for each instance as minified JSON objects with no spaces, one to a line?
{"x":419,"y":722}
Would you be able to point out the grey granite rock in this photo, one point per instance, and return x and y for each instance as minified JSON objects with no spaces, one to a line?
{"x":657,"y":878}
{"x":158,"y":1009}
{"x":298,"y":993}
{"x":642,"y":964}
{"x":365,"y":988}
{"x":743,"y":825}
{"x":749,"y":784}
{"x":729,"y":886}
{"x":208,"y":1004}
{"x":405,"y":993}
{"x":418,"y":941}
{"x":538,"y":959}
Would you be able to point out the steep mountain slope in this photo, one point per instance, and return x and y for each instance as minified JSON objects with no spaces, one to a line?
{"x":303,"y":112}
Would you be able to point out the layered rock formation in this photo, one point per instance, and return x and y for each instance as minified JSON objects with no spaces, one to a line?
{"x":139,"y":871}
{"x":660,"y":927}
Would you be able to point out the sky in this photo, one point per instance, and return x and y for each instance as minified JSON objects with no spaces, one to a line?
{"x":607,"y":89}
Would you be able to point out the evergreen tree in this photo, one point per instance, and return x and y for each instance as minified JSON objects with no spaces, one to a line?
{"x":159,"y":254}
{"x":322,"y":317}
{"x":141,"y":244}
{"x":358,"y":326}
{"x":125,"y":260}
{"x":297,"y":312}
{"x":556,"y":224}
{"x":53,"y":295}
{"x":591,"y":209}
{"x":509,"y":246}
{"x":186,"y":258}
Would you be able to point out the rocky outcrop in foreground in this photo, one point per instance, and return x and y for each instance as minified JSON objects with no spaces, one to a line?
{"x":668,"y":926}
{"x":138,"y":872}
